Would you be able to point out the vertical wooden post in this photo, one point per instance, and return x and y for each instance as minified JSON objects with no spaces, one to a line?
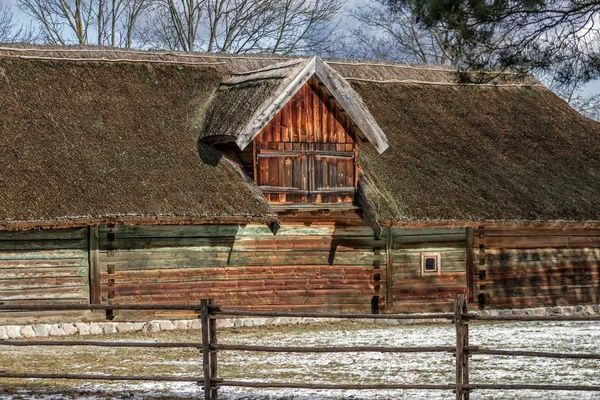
{"x":469,"y":268}
{"x":212,"y":332}
{"x":94,"y":261}
{"x":389,"y":266}
{"x":462,"y":340}
{"x":205,"y":348}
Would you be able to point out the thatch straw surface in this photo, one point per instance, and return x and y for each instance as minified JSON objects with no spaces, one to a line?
{"x":240,"y":98}
{"x":480,"y":154}
{"x":90,"y":135}
{"x":88,"y":142}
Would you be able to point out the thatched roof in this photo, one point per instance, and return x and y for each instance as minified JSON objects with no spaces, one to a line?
{"x":91,"y":135}
{"x":477,"y":153}
{"x":90,"y":142}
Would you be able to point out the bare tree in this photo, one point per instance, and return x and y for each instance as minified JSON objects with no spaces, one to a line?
{"x":10,"y":30}
{"x":383,"y":33}
{"x":117,"y":21}
{"x":241,"y":26}
{"x":61,"y":21}
{"x":587,"y":105}
{"x":8,"y":26}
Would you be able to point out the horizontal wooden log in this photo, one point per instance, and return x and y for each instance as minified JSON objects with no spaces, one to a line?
{"x":243,"y":273}
{"x":27,"y":254}
{"x":28,"y":285}
{"x":538,"y":242}
{"x":248,"y":244}
{"x":455,"y":237}
{"x":135,"y":260}
{"x":98,"y":377}
{"x":579,"y":388}
{"x":388,"y":386}
{"x":243,"y":313}
{"x":248,"y":291}
{"x":538,"y":300}
{"x":48,"y":293}
{"x":123,"y":232}
{"x":336,"y":349}
{"x":539,"y":354}
{"x":44,"y":234}
{"x":170,"y":345}
{"x":42,"y":273}
{"x":534,"y":232}
{"x":42,"y":245}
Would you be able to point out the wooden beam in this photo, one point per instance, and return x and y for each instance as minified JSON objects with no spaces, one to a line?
{"x":469,"y":267}
{"x":94,"y":263}
{"x":389,"y":266}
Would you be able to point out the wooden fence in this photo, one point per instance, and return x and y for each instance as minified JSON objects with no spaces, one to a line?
{"x":209,"y":346}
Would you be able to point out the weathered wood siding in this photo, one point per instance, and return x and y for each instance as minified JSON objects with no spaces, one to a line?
{"x":527,"y":268}
{"x":412,"y":292}
{"x":318,"y":267}
{"x":43,"y":266}
{"x":307,"y":153}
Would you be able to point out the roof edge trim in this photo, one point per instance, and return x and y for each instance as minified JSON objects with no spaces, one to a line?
{"x":339,"y":88}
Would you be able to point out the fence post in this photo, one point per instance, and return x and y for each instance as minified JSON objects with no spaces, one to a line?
{"x":205,"y":348}
{"x":212,"y":333}
{"x":462,"y":341}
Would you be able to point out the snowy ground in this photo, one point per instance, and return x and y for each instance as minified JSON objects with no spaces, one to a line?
{"x":320,"y":368}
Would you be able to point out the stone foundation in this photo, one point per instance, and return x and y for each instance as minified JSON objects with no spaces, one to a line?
{"x":99,"y":328}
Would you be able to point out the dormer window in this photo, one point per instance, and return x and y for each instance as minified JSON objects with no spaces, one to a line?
{"x":307,"y":152}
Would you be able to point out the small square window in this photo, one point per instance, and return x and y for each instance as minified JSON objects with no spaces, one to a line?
{"x":431,"y":263}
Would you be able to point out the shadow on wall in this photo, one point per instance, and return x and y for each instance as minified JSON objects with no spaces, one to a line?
{"x":524,"y":278}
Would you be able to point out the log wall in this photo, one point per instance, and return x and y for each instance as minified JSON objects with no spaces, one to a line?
{"x":43,"y":267}
{"x":527,"y":268}
{"x":413,"y":292}
{"x":316,"y":267}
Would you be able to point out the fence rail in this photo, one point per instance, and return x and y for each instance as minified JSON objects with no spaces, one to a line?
{"x":208,"y":313}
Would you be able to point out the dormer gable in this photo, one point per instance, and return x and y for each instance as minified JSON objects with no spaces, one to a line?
{"x":307,"y":153}
{"x":245,"y":103}
{"x":302,"y":122}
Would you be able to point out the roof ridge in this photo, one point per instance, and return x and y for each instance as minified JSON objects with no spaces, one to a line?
{"x":416,"y":81}
{"x":274,"y":67}
{"x":139,"y":51}
{"x":426,"y":67}
{"x":113,"y":60}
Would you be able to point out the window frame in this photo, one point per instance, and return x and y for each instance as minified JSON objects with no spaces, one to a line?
{"x":438,"y":263}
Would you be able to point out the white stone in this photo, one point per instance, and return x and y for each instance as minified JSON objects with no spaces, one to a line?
{"x":166,"y":326}
{"x":152,"y":327}
{"x":181,"y":325}
{"x":40,"y":330}
{"x":13,"y":331}
{"x":56,"y":331}
{"x":238,"y":323}
{"x":284,"y":321}
{"x":83,"y":328}
{"x":248,"y":322}
{"x":138,"y":326}
{"x":589,"y":309}
{"x":3,"y":334}
{"x":69,"y":329}
{"x":108,"y":327}
{"x":124,"y":327}
{"x":224,"y":323}
{"x":195,"y":324}
{"x":95,"y":329}
{"x":27,"y":331}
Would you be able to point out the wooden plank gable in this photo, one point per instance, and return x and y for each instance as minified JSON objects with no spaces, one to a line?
{"x":307,"y":152}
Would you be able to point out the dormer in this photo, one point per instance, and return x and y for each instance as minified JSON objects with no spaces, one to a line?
{"x":298,"y":126}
